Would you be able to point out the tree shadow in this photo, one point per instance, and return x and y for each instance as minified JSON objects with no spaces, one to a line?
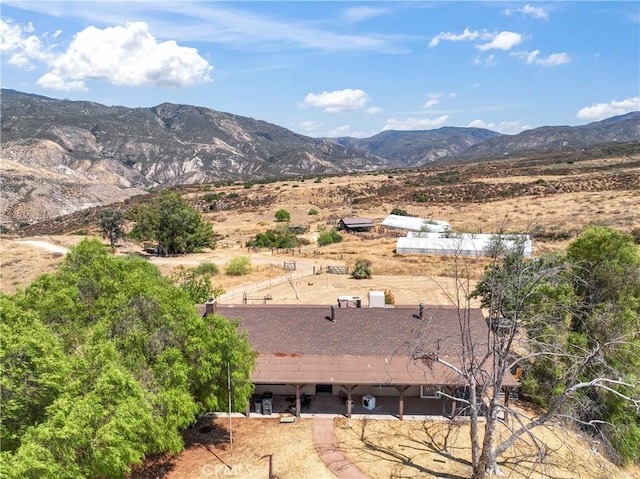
{"x":204,"y":434}
{"x":373,"y":450}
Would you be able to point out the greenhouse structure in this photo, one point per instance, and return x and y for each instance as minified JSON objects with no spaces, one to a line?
{"x":413,"y":223}
{"x":461,"y":244}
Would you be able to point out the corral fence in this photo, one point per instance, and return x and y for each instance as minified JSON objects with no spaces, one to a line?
{"x":334,"y":269}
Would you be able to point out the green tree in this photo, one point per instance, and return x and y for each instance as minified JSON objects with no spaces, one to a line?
{"x":33,"y":374}
{"x":141,"y":365}
{"x":572,"y":374}
{"x":111,"y":223}
{"x":282,"y":216}
{"x":173,"y":224}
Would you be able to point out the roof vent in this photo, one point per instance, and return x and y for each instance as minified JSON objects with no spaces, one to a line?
{"x":332,"y":318}
{"x":420,"y":314}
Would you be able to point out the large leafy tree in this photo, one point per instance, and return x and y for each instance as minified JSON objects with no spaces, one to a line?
{"x":140,"y":365}
{"x":173,"y":224}
{"x":580,"y":354}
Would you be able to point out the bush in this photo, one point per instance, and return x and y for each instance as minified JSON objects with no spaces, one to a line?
{"x":283,"y":215}
{"x":399,"y":212}
{"x":238,"y":266}
{"x":362,"y":269}
{"x":206,"y":268}
{"x":313,"y":211}
{"x":329,"y":237}
{"x":389,"y":298}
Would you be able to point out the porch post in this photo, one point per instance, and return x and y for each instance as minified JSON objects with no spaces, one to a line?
{"x":298,"y":400}
{"x":401,"y":390}
{"x":349,"y":388}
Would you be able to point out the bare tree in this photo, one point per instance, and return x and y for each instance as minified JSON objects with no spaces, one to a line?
{"x":529,"y":304}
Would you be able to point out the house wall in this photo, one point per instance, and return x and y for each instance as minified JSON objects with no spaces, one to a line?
{"x":310,"y":389}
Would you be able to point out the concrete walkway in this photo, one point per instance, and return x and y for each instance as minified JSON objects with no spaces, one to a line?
{"x":325,"y":441}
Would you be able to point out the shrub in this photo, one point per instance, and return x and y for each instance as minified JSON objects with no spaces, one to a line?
{"x":389,"y":298}
{"x":206,"y":268}
{"x":399,"y":212}
{"x":313,"y":211}
{"x":238,"y":266}
{"x":362,"y":269}
{"x":283,"y":215}
{"x":329,"y":237}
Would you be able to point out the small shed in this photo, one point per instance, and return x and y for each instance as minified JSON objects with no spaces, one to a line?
{"x":355,"y":224}
{"x":414,"y":223}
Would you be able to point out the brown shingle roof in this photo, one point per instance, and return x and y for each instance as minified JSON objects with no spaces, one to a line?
{"x":361,"y":345}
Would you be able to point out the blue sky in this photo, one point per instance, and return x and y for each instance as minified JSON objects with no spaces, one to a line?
{"x":334,"y":68}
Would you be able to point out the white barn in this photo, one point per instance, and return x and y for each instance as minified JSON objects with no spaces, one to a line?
{"x":462,"y":244}
{"x":414,"y":223}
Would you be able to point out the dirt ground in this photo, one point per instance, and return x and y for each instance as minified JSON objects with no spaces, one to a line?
{"x":559,"y":198}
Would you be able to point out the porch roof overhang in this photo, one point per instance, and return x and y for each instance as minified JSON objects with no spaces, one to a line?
{"x":362,"y":370}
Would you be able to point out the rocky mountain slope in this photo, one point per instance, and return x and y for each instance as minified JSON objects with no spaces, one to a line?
{"x":60,"y":156}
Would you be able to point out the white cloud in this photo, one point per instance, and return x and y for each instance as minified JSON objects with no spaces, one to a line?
{"x":504,"y":127}
{"x":600,"y":111}
{"x":121,"y":55}
{"x":359,"y":14}
{"x":373,"y":110}
{"x":309,"y":126}
{"x":430,"y":103}
{"x":536,"y":12}
{"x":465,"y":36}
{"x":534,"y":58}
{"x":501,"y":41}
{"x":25,"y":49}
{"x":337,"y":101}
{"x":415,"y":123}
{"x":56,"y":82}
{"x":130,"y":55}
{"x":496,"y":40}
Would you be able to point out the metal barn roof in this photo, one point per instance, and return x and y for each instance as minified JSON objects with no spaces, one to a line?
{"x":414,"y":223}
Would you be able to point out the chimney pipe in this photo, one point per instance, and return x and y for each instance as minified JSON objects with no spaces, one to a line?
{"x":333,"y":313}
{"x":421,"y":311}
{"x":210,"y":307}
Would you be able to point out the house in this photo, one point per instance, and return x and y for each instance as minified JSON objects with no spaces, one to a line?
{"x":355,"y":225}
{"x":323,"y":349}
{"x":414,"y":223}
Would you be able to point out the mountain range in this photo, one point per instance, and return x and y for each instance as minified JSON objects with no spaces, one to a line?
{"x":60,"y":156}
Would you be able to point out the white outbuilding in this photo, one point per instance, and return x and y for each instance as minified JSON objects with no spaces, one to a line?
{"x":414,"y":223}
{"x":461,"y":244}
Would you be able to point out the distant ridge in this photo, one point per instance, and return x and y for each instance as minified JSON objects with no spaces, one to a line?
{"x":61,"y":156}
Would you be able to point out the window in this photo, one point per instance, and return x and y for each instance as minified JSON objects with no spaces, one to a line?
{"x":429,"y":391}
{"x":324,"y":389}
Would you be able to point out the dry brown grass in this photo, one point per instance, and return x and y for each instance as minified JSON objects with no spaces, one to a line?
{"x":409,"y":449}
{"x":574,"y":200}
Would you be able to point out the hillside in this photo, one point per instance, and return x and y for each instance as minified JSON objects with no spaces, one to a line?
{"x":61,"y":156}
